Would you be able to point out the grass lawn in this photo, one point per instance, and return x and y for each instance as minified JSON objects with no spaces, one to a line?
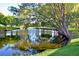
{"x":72,"y":49}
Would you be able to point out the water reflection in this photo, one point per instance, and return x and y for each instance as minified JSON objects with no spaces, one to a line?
{"x":14,"y":32}
{"x":33,"y":35}
{"x":36,"y":35}
{"x":10,"y":50}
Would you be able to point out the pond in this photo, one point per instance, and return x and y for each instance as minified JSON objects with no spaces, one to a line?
{"x":8,"y":49}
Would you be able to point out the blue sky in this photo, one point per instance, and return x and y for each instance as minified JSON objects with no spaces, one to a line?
{"x":4,"y":6}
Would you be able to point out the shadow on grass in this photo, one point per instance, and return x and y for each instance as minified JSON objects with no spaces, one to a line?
{"x":70,"y":50}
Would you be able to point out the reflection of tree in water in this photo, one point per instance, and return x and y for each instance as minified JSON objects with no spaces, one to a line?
{"x":34,"y":39}
{"x":1,"y":45}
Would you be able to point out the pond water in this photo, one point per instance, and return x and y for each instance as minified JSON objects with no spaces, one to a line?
{"x":35,"y":34}
{"x":10,"y":50}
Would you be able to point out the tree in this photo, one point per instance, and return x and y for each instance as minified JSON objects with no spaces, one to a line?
{"x":3,"y":21}
{"x":23,"y":12}
{"x":75,"y":16}
{"x":20,"y":12}
{"x":11,"y":22}
{"x":57,"y":15}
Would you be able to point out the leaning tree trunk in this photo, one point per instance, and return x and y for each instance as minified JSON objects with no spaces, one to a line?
{"x":5,"y":30}
{"x":63,"y":26}
{"x":11,"y":31}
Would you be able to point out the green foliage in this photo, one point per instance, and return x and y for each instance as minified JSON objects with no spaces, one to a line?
{"x":48,"y":14}
{"x":22,"y":12}
{"x":2,"y":17}
{"x":11,"y":20}
{"x":52,"y":12}
{"x":7,"y":20}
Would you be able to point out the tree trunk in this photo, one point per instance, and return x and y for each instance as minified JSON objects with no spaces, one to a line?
{"x":63,"y":27}
{"x":5,"y":30}
{"x":11,"y":30}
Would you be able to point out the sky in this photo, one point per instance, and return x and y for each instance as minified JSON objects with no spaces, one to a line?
{"x":4,"y":8}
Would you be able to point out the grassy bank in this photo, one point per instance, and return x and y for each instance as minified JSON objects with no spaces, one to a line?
{"x":72,"y":49}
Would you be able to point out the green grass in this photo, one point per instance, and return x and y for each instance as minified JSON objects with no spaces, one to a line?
{"x":74,"y":34}
{"x":72,"y":49}
{"x":73,"y":29}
